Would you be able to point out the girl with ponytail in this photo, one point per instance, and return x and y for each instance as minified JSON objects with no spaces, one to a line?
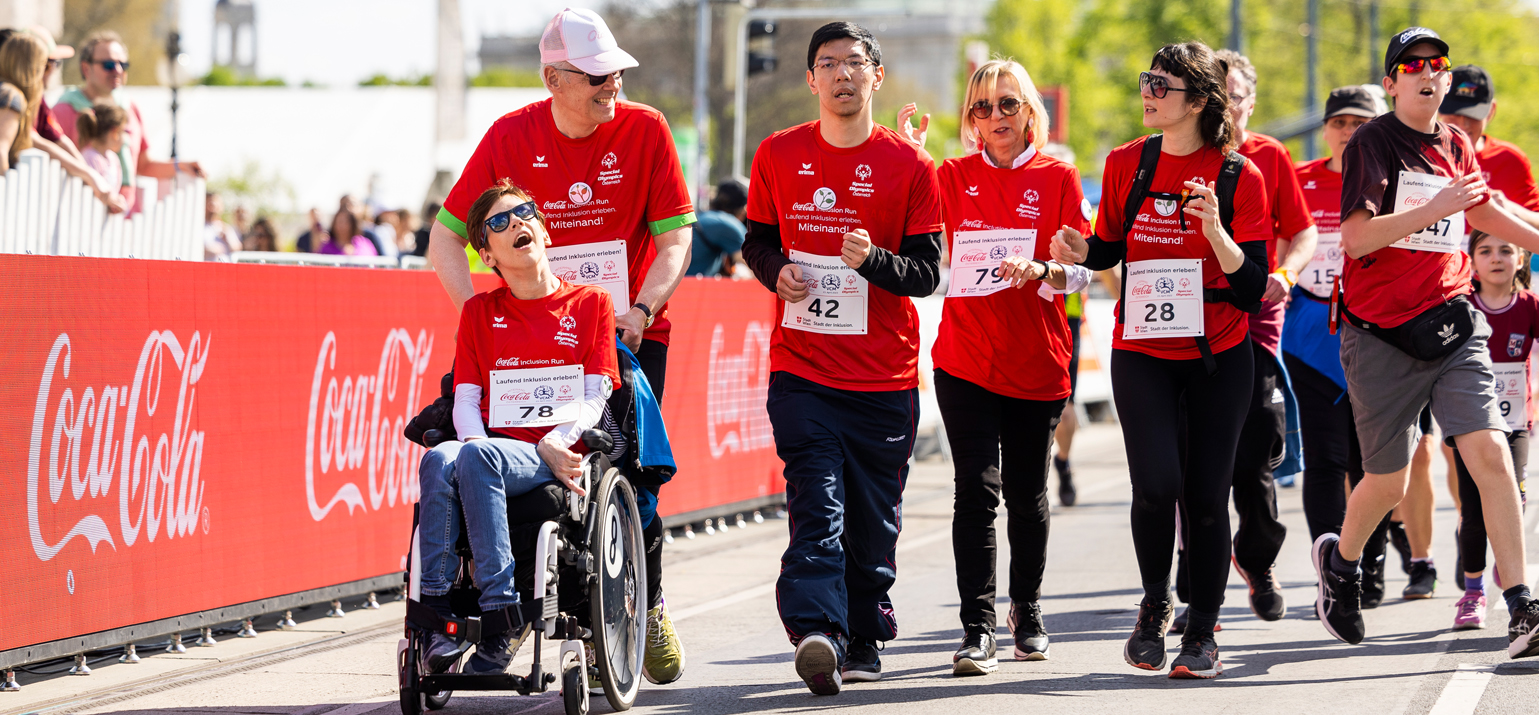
{"x":100,"y":130}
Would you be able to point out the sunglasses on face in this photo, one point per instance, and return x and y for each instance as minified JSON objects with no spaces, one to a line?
{"x":54,"y":64}
{"x":983,"y":109}
{"x":111,"y":65}
{"x":595,"y":80}
{"x":1441,"y":63}
{"x":1158,"y":86}
{"x":499,"y":222}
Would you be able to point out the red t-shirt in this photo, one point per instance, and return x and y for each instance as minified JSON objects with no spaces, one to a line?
{"x":622,"y":182}
{"x":1513,"y":327}
{"x":1012,"y":342}
{"x":1156,"y":236}
{"x":816,"y":193}
{"x":574,"y":325}
{"x":1322,"y":193}
{"x":1289,"y":216}
{"x":1506,"y":169}
{"x":1392,"y":285}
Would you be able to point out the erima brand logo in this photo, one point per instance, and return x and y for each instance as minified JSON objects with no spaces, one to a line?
{"x":863,"y":172}
{"x":824,"y":198}
{"x":497,"y":322}
{"x":806,"y":166}
{"x":609,"y":160}
{"x":972,"y":191}
{"x":806,"y":170}
{"x":1309,"y":184}
{"x":539,"y":162}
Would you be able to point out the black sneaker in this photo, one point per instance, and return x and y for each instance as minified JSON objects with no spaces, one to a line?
{"x":1338,"y":604}
{"x":1402,"y":543}
{"x":1030,"y":635}
{"x":862,"y":664}
{"x":442,"y":652}
{"x":1523,"y":631}
{"x":818,"y":658}
{"x":1423,"y":582}
{"x":1198,"y":659}
{"x":1373,"y":582}
{"x":1066,"y":493}
{"x":1178,"y":626}
{"x":1266,"y":599}
{"x":1146,"y":647}
{"x":976,"y":656}
{"x":492,"y":656}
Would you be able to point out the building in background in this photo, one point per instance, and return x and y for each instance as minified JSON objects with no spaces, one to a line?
{"x":235,"y":34}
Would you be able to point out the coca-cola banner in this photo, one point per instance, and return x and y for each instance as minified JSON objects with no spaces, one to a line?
{"x":185,"y":436}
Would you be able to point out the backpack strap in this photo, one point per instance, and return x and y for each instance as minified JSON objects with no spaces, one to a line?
{"x":1148,"y":161}
{"x":1228,"y":184}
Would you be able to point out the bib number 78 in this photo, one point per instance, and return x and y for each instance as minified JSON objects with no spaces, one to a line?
{"x":1166,"y":312}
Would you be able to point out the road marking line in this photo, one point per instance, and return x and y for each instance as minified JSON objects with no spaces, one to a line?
{"x":1462,"y":694}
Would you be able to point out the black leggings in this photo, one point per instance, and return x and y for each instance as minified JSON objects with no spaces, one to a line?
{"x":1472,"y":519}
{"x":999,"y":445}
{"x":1149,"y":392}
{"x":653,"y":357}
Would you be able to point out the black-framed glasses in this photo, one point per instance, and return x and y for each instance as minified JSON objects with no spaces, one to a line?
{"x":595,"y":80}
{"x":497,"y":223}
{"x":1414,"y":65}
{"x":110,"y":65}
{"x":855,"y":65}
{"x":1158,"y":86}
{"x":983,"y":108}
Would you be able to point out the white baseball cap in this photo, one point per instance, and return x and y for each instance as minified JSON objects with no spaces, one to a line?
{"x":581,"y":38}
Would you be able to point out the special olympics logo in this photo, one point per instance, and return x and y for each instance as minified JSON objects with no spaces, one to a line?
{"x":543,"y":392}
{"x":863,"y":172}
{"x":1186,"y":283}
{"x":580,"y":193}
{"x":997,"y":253}
{"x":588,"y":270}
{"x":1032,"y":196}
{"x":850,"y":280}
{"x":824,"y":198}
{"x":609,"y":160}
{"x":830,"y":281}
{"x":568,"y":322}
{"x":1164,"y":286}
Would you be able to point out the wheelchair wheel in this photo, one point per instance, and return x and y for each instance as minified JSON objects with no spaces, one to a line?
{"x":574,"y":690}
{"x":411,"y":696}
{"x":618,"y":593}
{"x":437,"y":701}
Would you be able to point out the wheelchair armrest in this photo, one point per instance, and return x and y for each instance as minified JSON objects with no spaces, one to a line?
{"x":598,"y":441}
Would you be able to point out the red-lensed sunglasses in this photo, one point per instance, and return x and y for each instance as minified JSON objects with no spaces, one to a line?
{"x":1441,"y":63}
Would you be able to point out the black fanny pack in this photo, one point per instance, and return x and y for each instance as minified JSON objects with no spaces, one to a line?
{"x":1432,"y":335}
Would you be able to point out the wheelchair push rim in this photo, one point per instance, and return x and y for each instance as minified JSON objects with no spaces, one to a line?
{"x":618,"y":592}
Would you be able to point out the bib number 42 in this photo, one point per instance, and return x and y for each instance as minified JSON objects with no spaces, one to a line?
{"x":824,"y":307}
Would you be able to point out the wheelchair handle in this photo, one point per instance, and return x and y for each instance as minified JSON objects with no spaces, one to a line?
{"x":598,"y":441}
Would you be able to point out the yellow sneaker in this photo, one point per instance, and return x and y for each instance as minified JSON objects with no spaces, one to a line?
{"x":664,"y":661}
{"x":595,"y":686}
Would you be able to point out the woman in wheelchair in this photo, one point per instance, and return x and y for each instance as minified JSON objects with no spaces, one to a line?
{"x":534,"y":364}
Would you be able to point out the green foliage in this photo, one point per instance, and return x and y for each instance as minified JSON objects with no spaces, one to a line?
{"x":380,"y":80}
{"x":224,"y":76}
{"x":254,"y":187}
{"x":507,"y":77}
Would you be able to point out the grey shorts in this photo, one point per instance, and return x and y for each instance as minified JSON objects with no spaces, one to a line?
{"x":1389,"y":389}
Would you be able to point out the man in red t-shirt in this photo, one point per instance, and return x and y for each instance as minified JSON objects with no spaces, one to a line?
{"x":1471,"y":105}
{"x":605,"y":173}
{"x":844,"y":225}
{"x":1408,"y":185}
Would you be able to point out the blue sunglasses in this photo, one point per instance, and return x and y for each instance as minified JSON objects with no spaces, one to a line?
{"x":499,"y":222}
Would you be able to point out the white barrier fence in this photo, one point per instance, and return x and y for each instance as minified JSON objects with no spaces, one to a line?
{"x":43,"y":211}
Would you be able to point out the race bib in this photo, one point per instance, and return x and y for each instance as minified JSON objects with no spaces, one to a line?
{"x":976,"y":255}
{"x":1164,"y":299}
{"x":1414,"y":190}
{"x":836,"y":300}
{"x":1512,"y":392}
{"x":1320,"y":274}
{"x":599,"y":264}
{"x":535,"y":396}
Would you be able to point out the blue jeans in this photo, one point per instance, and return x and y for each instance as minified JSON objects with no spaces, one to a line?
{"x":477,"y":478}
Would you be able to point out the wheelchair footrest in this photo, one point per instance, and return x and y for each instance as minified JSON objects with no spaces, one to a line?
{"x":470,"y":629}
{"x":456,"y":681}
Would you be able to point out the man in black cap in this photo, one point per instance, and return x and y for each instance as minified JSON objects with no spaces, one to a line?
{"x":719,"y":233}
{"x":1471,"y":105}
{"x":1411,"y":337}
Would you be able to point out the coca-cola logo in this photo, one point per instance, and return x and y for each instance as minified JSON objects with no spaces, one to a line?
{"x":356,"y":423}
{"x":1416,"y":199}
{"x":737,"y":386}
{"x":154,"y":463}
{"x":1142,"y":289}
{"x":507,"y":362}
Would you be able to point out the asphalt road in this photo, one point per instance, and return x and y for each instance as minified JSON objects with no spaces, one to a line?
{"x":720,"y":590}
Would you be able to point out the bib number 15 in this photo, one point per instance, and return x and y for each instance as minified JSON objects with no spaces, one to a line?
{"x":1159,"y":312}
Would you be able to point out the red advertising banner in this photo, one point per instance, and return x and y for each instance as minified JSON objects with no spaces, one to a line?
{"x":187,"y":436}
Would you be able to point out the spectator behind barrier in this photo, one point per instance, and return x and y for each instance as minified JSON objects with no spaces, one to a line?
{"x":23,"y":65}
{"x":307,"y":245}
{"x":101,"y":132}
{"x":219,"y":238}
{"x":426,"y":229}
{"x":717,"y":247}
{"x":261,"y":237}
{"x":344,"y":238}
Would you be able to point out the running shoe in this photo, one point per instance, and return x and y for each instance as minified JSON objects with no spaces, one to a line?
{"x":1402,"y":543}
{"x":1066,"y":494}
{"x":976,"y":656}
{"x":1373,"y":582}
{"x":862,"y":663}
{"x":1338,"y":604}
{"x":442,"y":652}
{"x":1146,"y":647}
{"x":818,"y":658}
{"x":1198,"y":658}
{"x":1030,"y":635}
{"x":664,"y":661}
{"x":1423,"y":581}
{"x":1523,"y":631}
{"x":1266,"y":599}
{"x":1178,"y":626}
{"x":1470,"y":612}
{"x":590,"y":660}
{"x":492,"y":656}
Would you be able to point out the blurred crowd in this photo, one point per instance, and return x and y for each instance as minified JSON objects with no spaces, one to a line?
{"x":356,"y":228}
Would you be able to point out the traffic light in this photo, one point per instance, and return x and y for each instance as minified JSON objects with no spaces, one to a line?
{"x":761,"y":46}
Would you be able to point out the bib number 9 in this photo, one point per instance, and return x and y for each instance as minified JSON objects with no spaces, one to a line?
{"x":824,"y":307}
{"x":1166,"y":312}
{"x":1506,"y":408}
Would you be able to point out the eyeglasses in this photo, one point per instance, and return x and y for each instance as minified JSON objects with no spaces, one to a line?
{"x":54,"y":64}
{"x":1158,"y":86}
{"x":1237,"y":98}
{"x":983,"y":109}
{"x":855,"y":65}
{"x":1441,"y":63}
{"x":595,"y":80}
{"x":498,"y":223}
{"x":110,"y":65}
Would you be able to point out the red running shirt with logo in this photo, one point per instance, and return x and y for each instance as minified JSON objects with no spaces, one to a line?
{"x":1289,"y":216}
{"x":574,"y":325}
{"x":1011,"y":342}
{"x":1507,"y":169}
{"x":816,"y":192}
{"x":1156,"y":235}
{"x":622,"y":182}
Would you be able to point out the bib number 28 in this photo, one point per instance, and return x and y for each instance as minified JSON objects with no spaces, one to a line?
{"x":1159,"y":312}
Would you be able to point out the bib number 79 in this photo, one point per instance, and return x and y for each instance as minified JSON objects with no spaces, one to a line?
{"x":985,"y":273}
{"x":824,"y":307}
{"x":1165,"y":311}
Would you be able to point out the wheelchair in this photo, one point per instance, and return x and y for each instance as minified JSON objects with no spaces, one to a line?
{"x":580,"y":570}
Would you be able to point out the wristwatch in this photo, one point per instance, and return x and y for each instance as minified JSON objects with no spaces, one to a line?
{"x":1289,"y":276}
{"x":645,"y":311}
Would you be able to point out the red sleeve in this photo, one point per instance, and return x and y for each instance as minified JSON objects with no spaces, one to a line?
{"x":1292,"y":209}
{"x":602,"y":358}
{"x":1072,"y":207}
{"x":924,"y":211}
{"x":479,"y":174}
{"x":945,"y":176}
{"x":761,"y":190}
{"x":65,"y":113}
{"x":1252,"y":219}
{"x":467,"y":346}
{"x":669,"y":195}
{"x":46,"y":125}
{"x":1528,"y":193}
{"x":1114,"y":194}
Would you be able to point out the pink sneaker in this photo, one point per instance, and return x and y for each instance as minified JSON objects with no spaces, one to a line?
{"x":1471,"y":612}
